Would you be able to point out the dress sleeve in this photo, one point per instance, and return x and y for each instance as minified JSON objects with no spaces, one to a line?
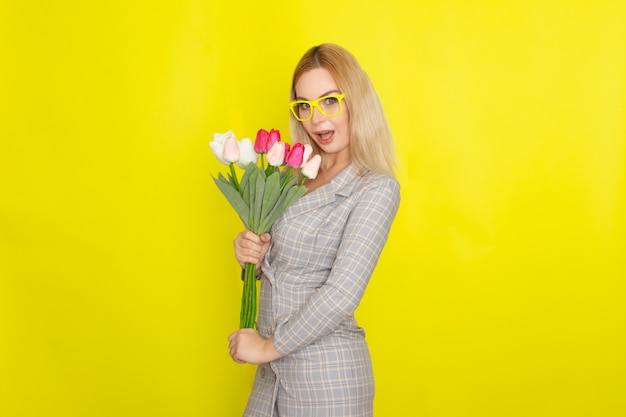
{"x":365,"y":235}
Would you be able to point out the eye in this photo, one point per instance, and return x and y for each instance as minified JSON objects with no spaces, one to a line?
{"x":304,"y":105}
{"x":330,"y":100}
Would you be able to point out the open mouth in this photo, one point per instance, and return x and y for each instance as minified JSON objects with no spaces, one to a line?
{"x":325,"y":136}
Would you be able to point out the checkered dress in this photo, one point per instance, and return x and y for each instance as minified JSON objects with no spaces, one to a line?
{"x":323,"y":252}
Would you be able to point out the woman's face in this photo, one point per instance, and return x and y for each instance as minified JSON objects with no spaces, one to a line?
{"x":332,"y":134}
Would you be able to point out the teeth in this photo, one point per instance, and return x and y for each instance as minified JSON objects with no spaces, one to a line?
{"x":325,"y":135}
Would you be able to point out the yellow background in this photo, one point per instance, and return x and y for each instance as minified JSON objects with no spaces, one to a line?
{"x":502,"y":288}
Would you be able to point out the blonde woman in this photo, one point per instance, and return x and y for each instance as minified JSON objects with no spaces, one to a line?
{"x":317,"y":260}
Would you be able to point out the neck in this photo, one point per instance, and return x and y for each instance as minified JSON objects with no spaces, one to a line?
{"x":333,"y":164}
{"x":326,"y":173}
{"x":331,"y":170}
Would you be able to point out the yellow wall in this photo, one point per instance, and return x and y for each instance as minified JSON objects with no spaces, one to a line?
{"x":501,"y":291}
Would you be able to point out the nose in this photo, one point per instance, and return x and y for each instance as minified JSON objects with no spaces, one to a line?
{"x":317,"y":115}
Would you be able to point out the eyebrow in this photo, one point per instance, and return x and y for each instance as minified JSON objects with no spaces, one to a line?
{"x":323,"y":95}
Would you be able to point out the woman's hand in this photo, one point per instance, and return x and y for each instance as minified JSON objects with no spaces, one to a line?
{"x":250,"y":248}
{"x":247,"y":346}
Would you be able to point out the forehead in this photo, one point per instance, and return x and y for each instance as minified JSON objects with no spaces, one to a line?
{"x":315,"y":83}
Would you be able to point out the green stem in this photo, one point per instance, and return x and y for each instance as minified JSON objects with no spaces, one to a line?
{"x":234,"y":175}
{"x":282,"y":186}
{"x":248,"y":298}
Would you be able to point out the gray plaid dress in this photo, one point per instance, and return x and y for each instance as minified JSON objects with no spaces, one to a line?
{"x":323,"y":252}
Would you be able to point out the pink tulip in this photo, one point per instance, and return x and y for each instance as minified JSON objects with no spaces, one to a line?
{"x":230,"y":153}
{"x":276,"y":154}
{"x":311,"y":168}
{"x":274,"y":136}
{"x":260,"y":144}
{"x":295,"y":156}
{"x":217,"y":145}
{"x":287,"y":150}
{"x":308,"y":150}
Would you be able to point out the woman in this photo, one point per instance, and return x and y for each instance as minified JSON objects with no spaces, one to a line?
{"x":313,"y":358}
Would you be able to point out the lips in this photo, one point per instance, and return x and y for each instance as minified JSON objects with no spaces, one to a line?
{"x":325,"y":136}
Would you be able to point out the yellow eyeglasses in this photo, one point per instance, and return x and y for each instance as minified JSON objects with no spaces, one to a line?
{"x":329,"y":106}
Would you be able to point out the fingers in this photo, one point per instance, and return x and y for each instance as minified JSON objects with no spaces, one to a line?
{"x":246,"y":252}
{"x":232,"y":346}
{"x":235,"y":348}
{"x":248,"y":235}
{"x":250,"y":248}
{"x":248,"y":241}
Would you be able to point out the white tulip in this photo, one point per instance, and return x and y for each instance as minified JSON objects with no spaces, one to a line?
{"x":217,"y":145}
{"x":246,"y":153}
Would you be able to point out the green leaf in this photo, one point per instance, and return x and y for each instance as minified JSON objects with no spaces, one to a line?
{"x":234,"y":198}
{"x":288,"y":182}
{"x":250,"y":169}
{"x":253,"y":185}
{"x":249,"y":195}
{"x":258,"y":201}
{"x":272,"y":193}
{"x":245,"y":195}
{"x":226,"y":181}
{"x":298,"y":192}
{"x":287,"y":197}
{"x":245,"y":184}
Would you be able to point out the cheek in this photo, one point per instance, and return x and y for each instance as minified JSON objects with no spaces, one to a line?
{"x":345,"y":123}
{"x":308,"y":128}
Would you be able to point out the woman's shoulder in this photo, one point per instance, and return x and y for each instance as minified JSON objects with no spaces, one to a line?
{"x":378,"y":179}
{"x":375,"y":182}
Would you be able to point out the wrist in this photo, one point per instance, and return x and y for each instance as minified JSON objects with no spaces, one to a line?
{"x":269,"y":351}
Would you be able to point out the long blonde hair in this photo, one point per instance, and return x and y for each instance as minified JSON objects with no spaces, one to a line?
{"x":371,"y":142}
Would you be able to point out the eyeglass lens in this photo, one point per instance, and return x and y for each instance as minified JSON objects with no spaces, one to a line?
{"x":328,"y":106}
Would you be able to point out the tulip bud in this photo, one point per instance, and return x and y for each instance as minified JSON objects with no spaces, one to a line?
{"x":217,"y":145}
{"x":260,"y":144}
{"x":246,"y":153}
{"x":308,"y":150}
{"x":276,"y":154}
{"x":274,"y":136}
{"x":287,"y":150}
{"x":230,"y":153}
{"x":311,"y":168}
{"x":294,"y":158}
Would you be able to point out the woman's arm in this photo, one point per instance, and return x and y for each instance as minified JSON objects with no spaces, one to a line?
{"x":246,"y":345}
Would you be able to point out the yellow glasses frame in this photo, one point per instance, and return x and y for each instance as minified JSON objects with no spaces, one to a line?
{"x":315,"y":104}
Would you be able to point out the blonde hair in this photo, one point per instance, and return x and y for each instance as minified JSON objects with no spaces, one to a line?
{"x":371,"y":142}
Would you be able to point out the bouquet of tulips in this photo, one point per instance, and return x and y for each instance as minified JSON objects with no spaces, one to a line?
{"x":264,"y":191}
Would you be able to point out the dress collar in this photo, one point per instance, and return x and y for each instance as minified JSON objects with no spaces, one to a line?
{"x":342,"y":184}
